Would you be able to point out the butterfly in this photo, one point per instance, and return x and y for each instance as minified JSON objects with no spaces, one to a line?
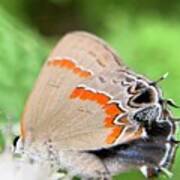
{"x":93,"y":116}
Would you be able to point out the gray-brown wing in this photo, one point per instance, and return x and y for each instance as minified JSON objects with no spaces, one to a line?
{"x":61,"y":108}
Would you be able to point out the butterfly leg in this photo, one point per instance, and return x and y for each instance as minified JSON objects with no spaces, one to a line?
{"x":150,"y":172}
{"x":85,"y":165}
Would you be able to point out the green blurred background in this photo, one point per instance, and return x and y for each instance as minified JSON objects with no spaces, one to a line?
{"x":146,"y":34}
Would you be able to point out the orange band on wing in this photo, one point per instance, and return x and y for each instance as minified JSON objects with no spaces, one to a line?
{"x":115,"y":134}
{"x":84,"y":94}
{"x":69,"y":64}
{"x":111,"y":109}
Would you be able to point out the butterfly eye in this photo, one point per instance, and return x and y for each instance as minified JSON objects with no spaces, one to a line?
{"x":147,"y":115}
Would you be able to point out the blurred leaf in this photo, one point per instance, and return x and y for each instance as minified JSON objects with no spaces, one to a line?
{"x":2,"y":142}
{"x":22,"y":51}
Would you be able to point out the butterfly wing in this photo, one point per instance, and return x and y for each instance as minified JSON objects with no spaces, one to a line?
{"x":88,"y":50}
{"x":72,"y":104}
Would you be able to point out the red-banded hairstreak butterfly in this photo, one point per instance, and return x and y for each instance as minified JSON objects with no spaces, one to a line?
{"x":93,"y":116}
